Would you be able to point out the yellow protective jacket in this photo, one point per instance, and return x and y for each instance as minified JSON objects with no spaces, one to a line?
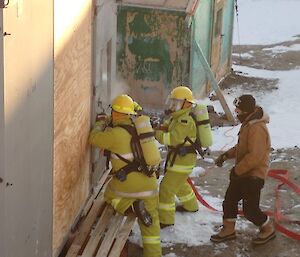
{"x":179,"y":126}
{"x":117,"y":140}
{"x":253,"y":147}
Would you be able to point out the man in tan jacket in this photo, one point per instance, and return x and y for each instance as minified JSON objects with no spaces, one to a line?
{"x":247,"y":177}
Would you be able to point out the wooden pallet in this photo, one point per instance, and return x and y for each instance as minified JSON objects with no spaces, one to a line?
{"x":102,"y":232}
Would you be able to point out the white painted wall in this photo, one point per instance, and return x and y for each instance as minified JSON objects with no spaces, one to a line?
{"x":26,"y":118}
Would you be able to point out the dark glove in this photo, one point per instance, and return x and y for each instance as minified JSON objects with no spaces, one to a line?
{"x":233,"y":175}
{"x":155,"y":122}
{"x":101,"y":117}
{"x":219,"y":161}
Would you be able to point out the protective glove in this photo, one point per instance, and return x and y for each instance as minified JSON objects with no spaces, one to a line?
{"x":100,"y":125}
{"x":220,"y":160}
{"x":233,"y":175}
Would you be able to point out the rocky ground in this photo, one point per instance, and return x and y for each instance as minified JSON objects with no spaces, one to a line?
{"x":216,"y":179}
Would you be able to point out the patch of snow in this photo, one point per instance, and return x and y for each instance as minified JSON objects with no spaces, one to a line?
{"x":282,"y":49}
{"x":243,"y":55}
{"x":282,"y":105}
{"x":198,"y":172}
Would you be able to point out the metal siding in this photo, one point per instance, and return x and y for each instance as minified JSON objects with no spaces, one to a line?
{"x":2,"y":187}
{"x":153,"y":52}
{"x":105,"y":33}
{"x":28,"y":128}
{"x":202,"y":34}
{"x":228,"y":17}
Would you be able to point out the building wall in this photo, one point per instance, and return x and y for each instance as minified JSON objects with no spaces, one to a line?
{"x":228,"y":23}
{"x":2,"y":187}
{"x":152,"y":53}
{"x":104,"y":71}
{"x":26,"y":130}
{"x":202,"y":33}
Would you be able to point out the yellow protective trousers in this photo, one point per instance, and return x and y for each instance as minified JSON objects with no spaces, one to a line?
{"x":151,"y":234}
{"x":175,"y":184}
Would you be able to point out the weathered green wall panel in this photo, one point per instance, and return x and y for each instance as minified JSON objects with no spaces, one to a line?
{"x":153,"y":49}
{"x":227,"y":32}
{"x":202,"y":29}
{"x":157,"y":50}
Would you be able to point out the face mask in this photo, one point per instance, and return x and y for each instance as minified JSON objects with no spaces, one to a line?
{"x":174,"y":104}
{"x":242,"y":117}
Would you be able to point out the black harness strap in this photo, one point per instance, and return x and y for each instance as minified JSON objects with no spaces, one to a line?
{"x":202,"y":122}
{"x":138,"y":164}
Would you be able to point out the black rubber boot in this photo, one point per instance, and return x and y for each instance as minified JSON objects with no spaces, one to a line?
{"x":180,"y":208}
{"x":141,"y":212}
{"x":165,"y":225}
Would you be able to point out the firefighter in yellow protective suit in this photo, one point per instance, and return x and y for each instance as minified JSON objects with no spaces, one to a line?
{"x":179,"y":134}
{"x":137,"y":192}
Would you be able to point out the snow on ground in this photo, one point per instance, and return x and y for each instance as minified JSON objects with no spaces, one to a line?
{"x":279,"y":49}
{"x":264,"y":22}
{"x":282,"y":105}
{"x":261,"y":22}
{"x":188,"y":226}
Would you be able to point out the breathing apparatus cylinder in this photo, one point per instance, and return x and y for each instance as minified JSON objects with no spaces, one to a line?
{"x":203,"y":126}
{"x":147,"y":140}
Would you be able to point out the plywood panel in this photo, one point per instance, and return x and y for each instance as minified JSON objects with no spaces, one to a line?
{"x":72,"y":108}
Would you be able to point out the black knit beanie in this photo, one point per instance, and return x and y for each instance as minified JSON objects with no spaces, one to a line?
{"x":246,"y":103}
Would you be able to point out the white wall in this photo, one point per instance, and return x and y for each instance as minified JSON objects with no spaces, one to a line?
{"x":27,"y":124}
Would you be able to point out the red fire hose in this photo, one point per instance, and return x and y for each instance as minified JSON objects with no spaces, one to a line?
{"x":282,"y":176}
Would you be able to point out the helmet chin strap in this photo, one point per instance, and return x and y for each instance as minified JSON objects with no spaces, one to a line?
{"x":183,"y":104}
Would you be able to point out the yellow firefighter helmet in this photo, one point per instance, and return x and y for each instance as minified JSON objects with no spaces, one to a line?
{"x":123,"y":104}
{"x":182,"y":93}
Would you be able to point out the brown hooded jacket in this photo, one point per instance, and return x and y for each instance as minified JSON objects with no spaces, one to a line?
{"x":253,"y":148}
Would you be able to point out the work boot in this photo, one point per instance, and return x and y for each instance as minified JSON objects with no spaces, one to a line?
{"x":226,"y":233}
{"x":141,"y":212}
{"x":266,"y":233}
{"x":180,"y":208}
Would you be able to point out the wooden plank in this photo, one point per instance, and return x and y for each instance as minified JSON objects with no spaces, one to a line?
{"x":122,"y":236}
{"x":86,"y":226}
{"x":110,"y":235}
{"x":97,"y":233}
{"x":72,"y":109}
{"x":192,"y":7}
{"x":215,"y":85}
{"x":96,"y":191}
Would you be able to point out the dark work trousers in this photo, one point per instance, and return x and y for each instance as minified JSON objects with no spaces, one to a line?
{"x":246,"y":189}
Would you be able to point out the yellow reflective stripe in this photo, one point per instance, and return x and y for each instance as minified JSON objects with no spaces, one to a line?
{"x":166,"y":138}
{"x":115,"y":202}
{"x":127,"y":156}
{"x":133,"y":195}
{"x":186,"y":198}
{"x":151,"y":239}
{"x":181,"y":168}
{"x":167,"y":206}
